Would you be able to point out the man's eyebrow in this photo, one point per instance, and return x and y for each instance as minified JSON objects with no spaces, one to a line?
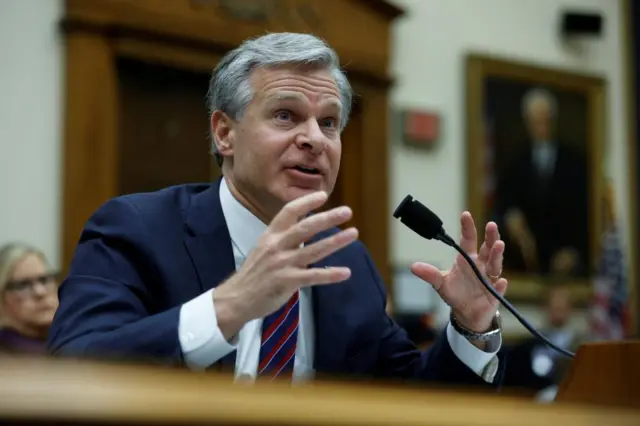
{"x":334,"y":103}
{"x":295,"y":97}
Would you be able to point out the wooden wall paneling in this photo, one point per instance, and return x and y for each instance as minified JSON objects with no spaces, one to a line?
{"x":155,"y":51}
{"x":163,"y":126}
{"x":386,"y":8}
{"x":374,"y":188}
{"x":90,"y":157}
{"x":347,"y":190}
{"x":208,"y":24}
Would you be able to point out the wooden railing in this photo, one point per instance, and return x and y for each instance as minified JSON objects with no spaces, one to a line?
{"x":44,"y":391}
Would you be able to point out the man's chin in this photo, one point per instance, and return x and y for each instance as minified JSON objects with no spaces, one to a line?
{"x":294,"y":192}
{"x":288,"y":193}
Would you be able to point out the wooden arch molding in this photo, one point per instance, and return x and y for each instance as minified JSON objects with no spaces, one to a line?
{"x":192,"y":35}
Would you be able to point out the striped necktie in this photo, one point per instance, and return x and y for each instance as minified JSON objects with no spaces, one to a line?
{"x":279,"y":339}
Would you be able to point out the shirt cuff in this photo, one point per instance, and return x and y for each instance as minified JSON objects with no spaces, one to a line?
{"x":483,"y":363}
{"x":200,"y":338}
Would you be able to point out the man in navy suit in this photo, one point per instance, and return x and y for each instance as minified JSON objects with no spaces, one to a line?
{"x":241,"y":273}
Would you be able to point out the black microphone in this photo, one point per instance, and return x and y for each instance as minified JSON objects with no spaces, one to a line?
{"x":427,"y":224}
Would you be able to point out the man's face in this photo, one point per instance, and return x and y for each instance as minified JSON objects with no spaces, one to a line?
{"x":539,"y":120}
{"x":287,"y":143}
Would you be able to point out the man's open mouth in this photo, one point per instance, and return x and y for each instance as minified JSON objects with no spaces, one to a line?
{"x":308,"y":170}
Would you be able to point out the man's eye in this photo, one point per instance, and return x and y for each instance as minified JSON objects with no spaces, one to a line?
{"x":329,"y":122}
{"x":284,"y":115}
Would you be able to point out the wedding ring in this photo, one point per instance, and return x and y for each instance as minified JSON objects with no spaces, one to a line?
{"x":495,"y":277}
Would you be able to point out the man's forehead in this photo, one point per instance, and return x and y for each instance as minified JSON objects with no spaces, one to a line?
{"x":539,"y":103}
{"x":290,"y":83}
{"x":329,"y":99}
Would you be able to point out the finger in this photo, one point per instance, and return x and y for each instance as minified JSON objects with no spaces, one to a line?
{"x":491,"y":235}
{"x":494,"y":263}
{"x":318,"y":276}
{"x":304,"y":230}
{"x":469,"y":237}
{"x":429,"y":273}
{"x":501,"y":286}
{"x":317,"y":251}
{"x":294,"y":210}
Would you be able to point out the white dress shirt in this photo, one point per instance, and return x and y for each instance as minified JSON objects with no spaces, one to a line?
{"x":202,"y":341}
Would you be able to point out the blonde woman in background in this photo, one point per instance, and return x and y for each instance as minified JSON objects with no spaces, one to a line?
{"x":28,"y":299}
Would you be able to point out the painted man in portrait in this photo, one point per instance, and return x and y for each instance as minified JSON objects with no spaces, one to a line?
{"x":542,"y":198}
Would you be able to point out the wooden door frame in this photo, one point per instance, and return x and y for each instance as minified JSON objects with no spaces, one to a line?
{"x":99,"y":32}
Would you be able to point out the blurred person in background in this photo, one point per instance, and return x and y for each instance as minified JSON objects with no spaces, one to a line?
{"x":531,"y":364}
{"x":28,"y":299}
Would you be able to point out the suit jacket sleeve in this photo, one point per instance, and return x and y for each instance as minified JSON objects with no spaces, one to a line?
{"x":398,"y":356}
{"x":106,"y":304}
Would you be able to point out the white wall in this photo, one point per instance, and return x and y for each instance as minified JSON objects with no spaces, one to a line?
{"x":30,"y":123}
{"x":431,"y":44}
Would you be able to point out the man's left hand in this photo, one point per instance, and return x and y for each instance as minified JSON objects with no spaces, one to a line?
{"x":471,"y":303}
{"x":565,"y":261}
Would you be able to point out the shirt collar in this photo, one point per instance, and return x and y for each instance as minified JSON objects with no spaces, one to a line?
{"x":244,"y":227}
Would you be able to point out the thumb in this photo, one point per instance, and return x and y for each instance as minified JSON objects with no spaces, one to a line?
{"x":428,"y":273}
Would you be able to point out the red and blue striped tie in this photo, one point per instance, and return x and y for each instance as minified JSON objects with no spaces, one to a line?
{"x":279,"y":339}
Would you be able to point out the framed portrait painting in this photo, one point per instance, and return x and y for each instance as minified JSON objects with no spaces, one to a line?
{"x":535,"y":161}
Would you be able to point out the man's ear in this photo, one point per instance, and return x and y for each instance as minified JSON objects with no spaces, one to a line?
{"x":223,"y":131}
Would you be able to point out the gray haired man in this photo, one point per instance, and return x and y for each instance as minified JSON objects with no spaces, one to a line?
{"x":241,"y":272}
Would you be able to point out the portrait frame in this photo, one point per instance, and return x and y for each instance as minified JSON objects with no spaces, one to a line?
{"x":523,"y":287}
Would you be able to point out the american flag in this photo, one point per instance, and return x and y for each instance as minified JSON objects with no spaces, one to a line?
{"x":609,"y":319}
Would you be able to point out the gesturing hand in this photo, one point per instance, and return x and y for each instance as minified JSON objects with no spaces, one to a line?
{"x":278,"y":265}
{"x":521,"y":234}
{"x":470,"y":302}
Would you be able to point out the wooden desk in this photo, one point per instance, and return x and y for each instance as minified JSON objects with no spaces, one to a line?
{"x":47,"y":391}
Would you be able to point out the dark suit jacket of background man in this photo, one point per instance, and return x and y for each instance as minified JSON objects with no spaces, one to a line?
{"x":520,"y":372}
{"x":556,"y":210}
{"x":140,"y":257}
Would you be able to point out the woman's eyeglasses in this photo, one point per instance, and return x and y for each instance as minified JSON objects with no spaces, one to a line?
{"x":27,"y":285}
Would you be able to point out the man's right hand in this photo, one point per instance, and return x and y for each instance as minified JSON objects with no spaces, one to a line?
{"x":519,"y":232}
{"x":278,"y":265}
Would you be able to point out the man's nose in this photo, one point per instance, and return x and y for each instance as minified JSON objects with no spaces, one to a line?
{"x":312,"y":139}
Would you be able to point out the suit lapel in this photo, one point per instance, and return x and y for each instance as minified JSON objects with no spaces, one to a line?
{"x":212,"y":257}
{"x":207,"y":239}
{"x":330,"y":321}
{"x":209,"y":245}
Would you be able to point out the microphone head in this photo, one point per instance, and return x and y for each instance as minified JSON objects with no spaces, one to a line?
{"x":419,"y":218}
